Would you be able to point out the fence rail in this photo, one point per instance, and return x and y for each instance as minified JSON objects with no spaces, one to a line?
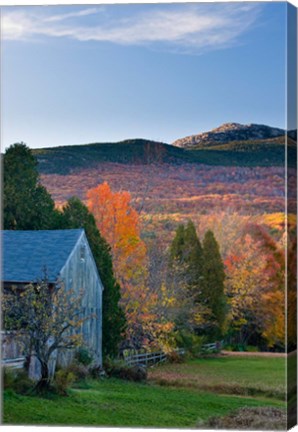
{"x":215,"y":346}
{"x":148,"y":359}
{"x":14,"y":363}
{"x":151,"y":358}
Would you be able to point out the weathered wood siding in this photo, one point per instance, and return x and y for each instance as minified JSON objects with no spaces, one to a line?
{"x":11,"y":348}
{"x":80,"y":273}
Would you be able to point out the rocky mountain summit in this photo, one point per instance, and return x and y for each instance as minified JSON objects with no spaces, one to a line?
{"x":229,"y":132}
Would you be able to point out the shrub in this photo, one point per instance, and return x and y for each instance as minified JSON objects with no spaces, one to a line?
{"x":119,"y":369}
{"x":96,"y":372}
{"x":174,"y":357}
{"x":8,"y":378}
{"x":189,"y":341}
{"x":252,"y":348}
{"x":63,"y":380}
{"x":79,"y":371}
{"x":83,"y":356}
{"x":17,"y":380}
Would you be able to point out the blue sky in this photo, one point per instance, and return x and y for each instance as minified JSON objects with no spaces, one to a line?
{"x":104,"y":73}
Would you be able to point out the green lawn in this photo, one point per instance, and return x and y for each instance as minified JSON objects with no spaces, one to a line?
{"x":233,"y":375}
{"x":120,"y":403}
{"x":179,"y":402}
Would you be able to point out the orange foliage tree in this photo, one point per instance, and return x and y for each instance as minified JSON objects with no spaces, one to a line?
{"x":272,"y":308}
{"x":118,"y":222}
{"x":255,"y":286}
{"x":245,"y":279}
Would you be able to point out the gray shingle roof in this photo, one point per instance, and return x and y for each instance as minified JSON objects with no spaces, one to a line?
{"x":25,"y":254}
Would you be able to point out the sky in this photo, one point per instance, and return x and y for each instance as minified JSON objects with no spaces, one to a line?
{"x":105,"y":73}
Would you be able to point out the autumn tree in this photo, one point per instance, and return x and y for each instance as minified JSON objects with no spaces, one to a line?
{"x":292,"y":296}
{"x":245,"y":277}
{"x":26,"y":203}
{"x":271,"y":308}
{"x":46,"y":318}
{"x":171,"y":305}
{"x":213,"y":285}
{"x":77,"y":215}
{"x":118,"y":222}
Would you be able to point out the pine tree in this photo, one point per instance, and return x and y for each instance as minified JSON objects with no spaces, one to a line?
{"x":186,"y":251}
{"x":213,"y":288}
{"x":177,"y":246}
{"x":193,"y":257}
{"x":186,"y":267}
{"x":26,"y":203}
{"x":77,"y":215}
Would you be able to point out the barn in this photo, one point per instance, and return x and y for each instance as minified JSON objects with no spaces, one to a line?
{"x":65,"y":255}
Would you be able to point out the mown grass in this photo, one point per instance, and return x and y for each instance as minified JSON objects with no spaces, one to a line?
{"x":248,"y":376}
{"x":112,"y":402}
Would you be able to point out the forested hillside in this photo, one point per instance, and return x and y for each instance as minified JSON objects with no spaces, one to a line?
{"x":248,"y":152}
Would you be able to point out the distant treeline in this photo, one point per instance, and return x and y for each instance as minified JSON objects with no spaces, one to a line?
{"x":65,"y":159}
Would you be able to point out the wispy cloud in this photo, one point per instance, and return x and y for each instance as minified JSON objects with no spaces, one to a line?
{"x":65,"y":16}
{"x":186,"y":27}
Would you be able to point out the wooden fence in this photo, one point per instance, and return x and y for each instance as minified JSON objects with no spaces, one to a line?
{"x":12,"y":351}
{"x":149,"y":358}
{"x":15,"y":363}
{"x":12,"y":356}
{"x":212,"y":347}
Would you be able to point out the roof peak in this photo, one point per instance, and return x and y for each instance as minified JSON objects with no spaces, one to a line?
{"x":27,"y":253}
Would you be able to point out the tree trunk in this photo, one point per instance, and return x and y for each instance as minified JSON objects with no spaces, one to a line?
{"x":44,"y":382}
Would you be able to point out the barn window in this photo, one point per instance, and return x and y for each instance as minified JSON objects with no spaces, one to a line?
{"x":83,"y":253}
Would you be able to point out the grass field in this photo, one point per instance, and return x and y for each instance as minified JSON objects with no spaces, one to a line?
{"x":112,"y":402}
{"x":231,"y":375}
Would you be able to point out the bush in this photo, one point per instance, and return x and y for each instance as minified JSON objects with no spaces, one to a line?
{"x":8,"y":377}
{"x":96,"y":372}
{"x":17,"y":380}
{"x":79,"y":371}
{"x":83,"y":356}
{"x":63,"y":380}
{"x":174,"y":357}
{"x":119,"y":369}
{"x":252,"y":348}
{"x":189,"y":341}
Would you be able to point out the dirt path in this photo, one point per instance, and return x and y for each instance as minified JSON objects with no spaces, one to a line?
{"x":252,"y":354}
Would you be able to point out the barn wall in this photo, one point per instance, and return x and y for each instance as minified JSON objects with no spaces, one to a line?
{"x":80,"y":273}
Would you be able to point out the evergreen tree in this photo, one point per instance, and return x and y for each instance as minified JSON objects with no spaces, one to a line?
{"x":193,"y":257}
{"x":186,"y":252}
{"x":186,"y":267}
{"x":77,"y":215}
{"x":213,"y":291}
{"x":177,"y":246}
{"x":26,"y":203}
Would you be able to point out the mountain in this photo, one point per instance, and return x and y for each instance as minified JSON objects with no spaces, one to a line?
{"x":66,"y":159}
{"x":227,"y":133}
{"x":231,"y":144}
